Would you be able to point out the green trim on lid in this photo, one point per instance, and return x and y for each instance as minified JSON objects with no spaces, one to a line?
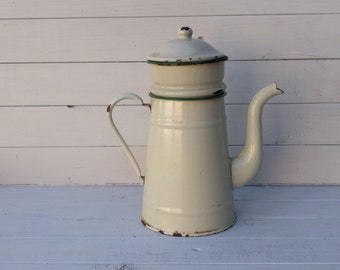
{"x":187,"y":62}
{"x":217,"y":94}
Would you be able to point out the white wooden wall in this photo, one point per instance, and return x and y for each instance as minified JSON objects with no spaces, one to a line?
{"x":62,"y":61}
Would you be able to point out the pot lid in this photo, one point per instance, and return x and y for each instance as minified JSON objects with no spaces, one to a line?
{"x":186,"y":50}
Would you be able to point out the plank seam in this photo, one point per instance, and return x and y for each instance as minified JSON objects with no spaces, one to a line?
{"x":170,"y":16}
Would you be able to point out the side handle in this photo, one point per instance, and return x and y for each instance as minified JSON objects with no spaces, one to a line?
{"x":121,"y":140}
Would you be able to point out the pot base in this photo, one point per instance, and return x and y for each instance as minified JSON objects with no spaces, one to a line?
{"x":187,"y":234}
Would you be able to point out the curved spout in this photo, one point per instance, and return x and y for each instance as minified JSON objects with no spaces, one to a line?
{"x":246,"y":165}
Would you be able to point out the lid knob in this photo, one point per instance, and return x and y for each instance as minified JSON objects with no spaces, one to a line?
{"x":185,"y":32}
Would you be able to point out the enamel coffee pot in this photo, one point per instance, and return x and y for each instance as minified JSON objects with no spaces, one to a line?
{"x":189,"y":176}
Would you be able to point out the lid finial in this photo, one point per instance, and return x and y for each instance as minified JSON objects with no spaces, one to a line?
{"x":185,"y":32}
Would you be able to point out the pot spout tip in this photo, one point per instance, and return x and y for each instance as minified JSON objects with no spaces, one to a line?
{"x":277,"y":88}
{"x":282,"y":92}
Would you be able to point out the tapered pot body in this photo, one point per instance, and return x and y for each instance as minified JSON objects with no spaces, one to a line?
{"x":188,"y":190}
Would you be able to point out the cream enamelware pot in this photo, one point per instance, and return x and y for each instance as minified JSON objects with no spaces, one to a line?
{"x":189,"y":175}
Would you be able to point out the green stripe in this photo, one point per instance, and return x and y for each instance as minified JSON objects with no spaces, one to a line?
{"x":218,"y":94}
{"x":186,"y":63}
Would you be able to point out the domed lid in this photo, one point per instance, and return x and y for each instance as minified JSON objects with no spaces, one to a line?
{"x":186,"y":50}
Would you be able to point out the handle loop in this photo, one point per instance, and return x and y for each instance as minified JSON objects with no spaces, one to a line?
{"x":121,"y":140}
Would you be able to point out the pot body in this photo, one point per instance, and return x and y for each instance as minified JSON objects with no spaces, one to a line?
{"x":188,"y":188}
{"x":188,"y":175}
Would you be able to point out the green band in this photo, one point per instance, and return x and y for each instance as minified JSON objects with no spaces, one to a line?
{"x":217,"y":94}
{"x":187,"y":63}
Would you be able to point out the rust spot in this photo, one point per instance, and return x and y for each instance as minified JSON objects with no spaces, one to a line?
{"x":147,"y":105}
{"x":108,"y":109}
{"x":177,"y":234}
{"x":144,"y":222}
{"x":218,"y":92}
{"x":280,"y":90}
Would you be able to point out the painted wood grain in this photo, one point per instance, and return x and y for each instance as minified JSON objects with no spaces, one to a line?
{"x":284,"y":193}
{"x":174,"y":266}
{"x":283,"y":124}
{"x":304,"y":81}
{"x":100,"y":227}
{"x":83,"y":228}
{"x":302,"y":164}
{"x":69,"y":212}
{"x":107,"y":39}
{"x":168,"y":250}
{"x":106,"y":8}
